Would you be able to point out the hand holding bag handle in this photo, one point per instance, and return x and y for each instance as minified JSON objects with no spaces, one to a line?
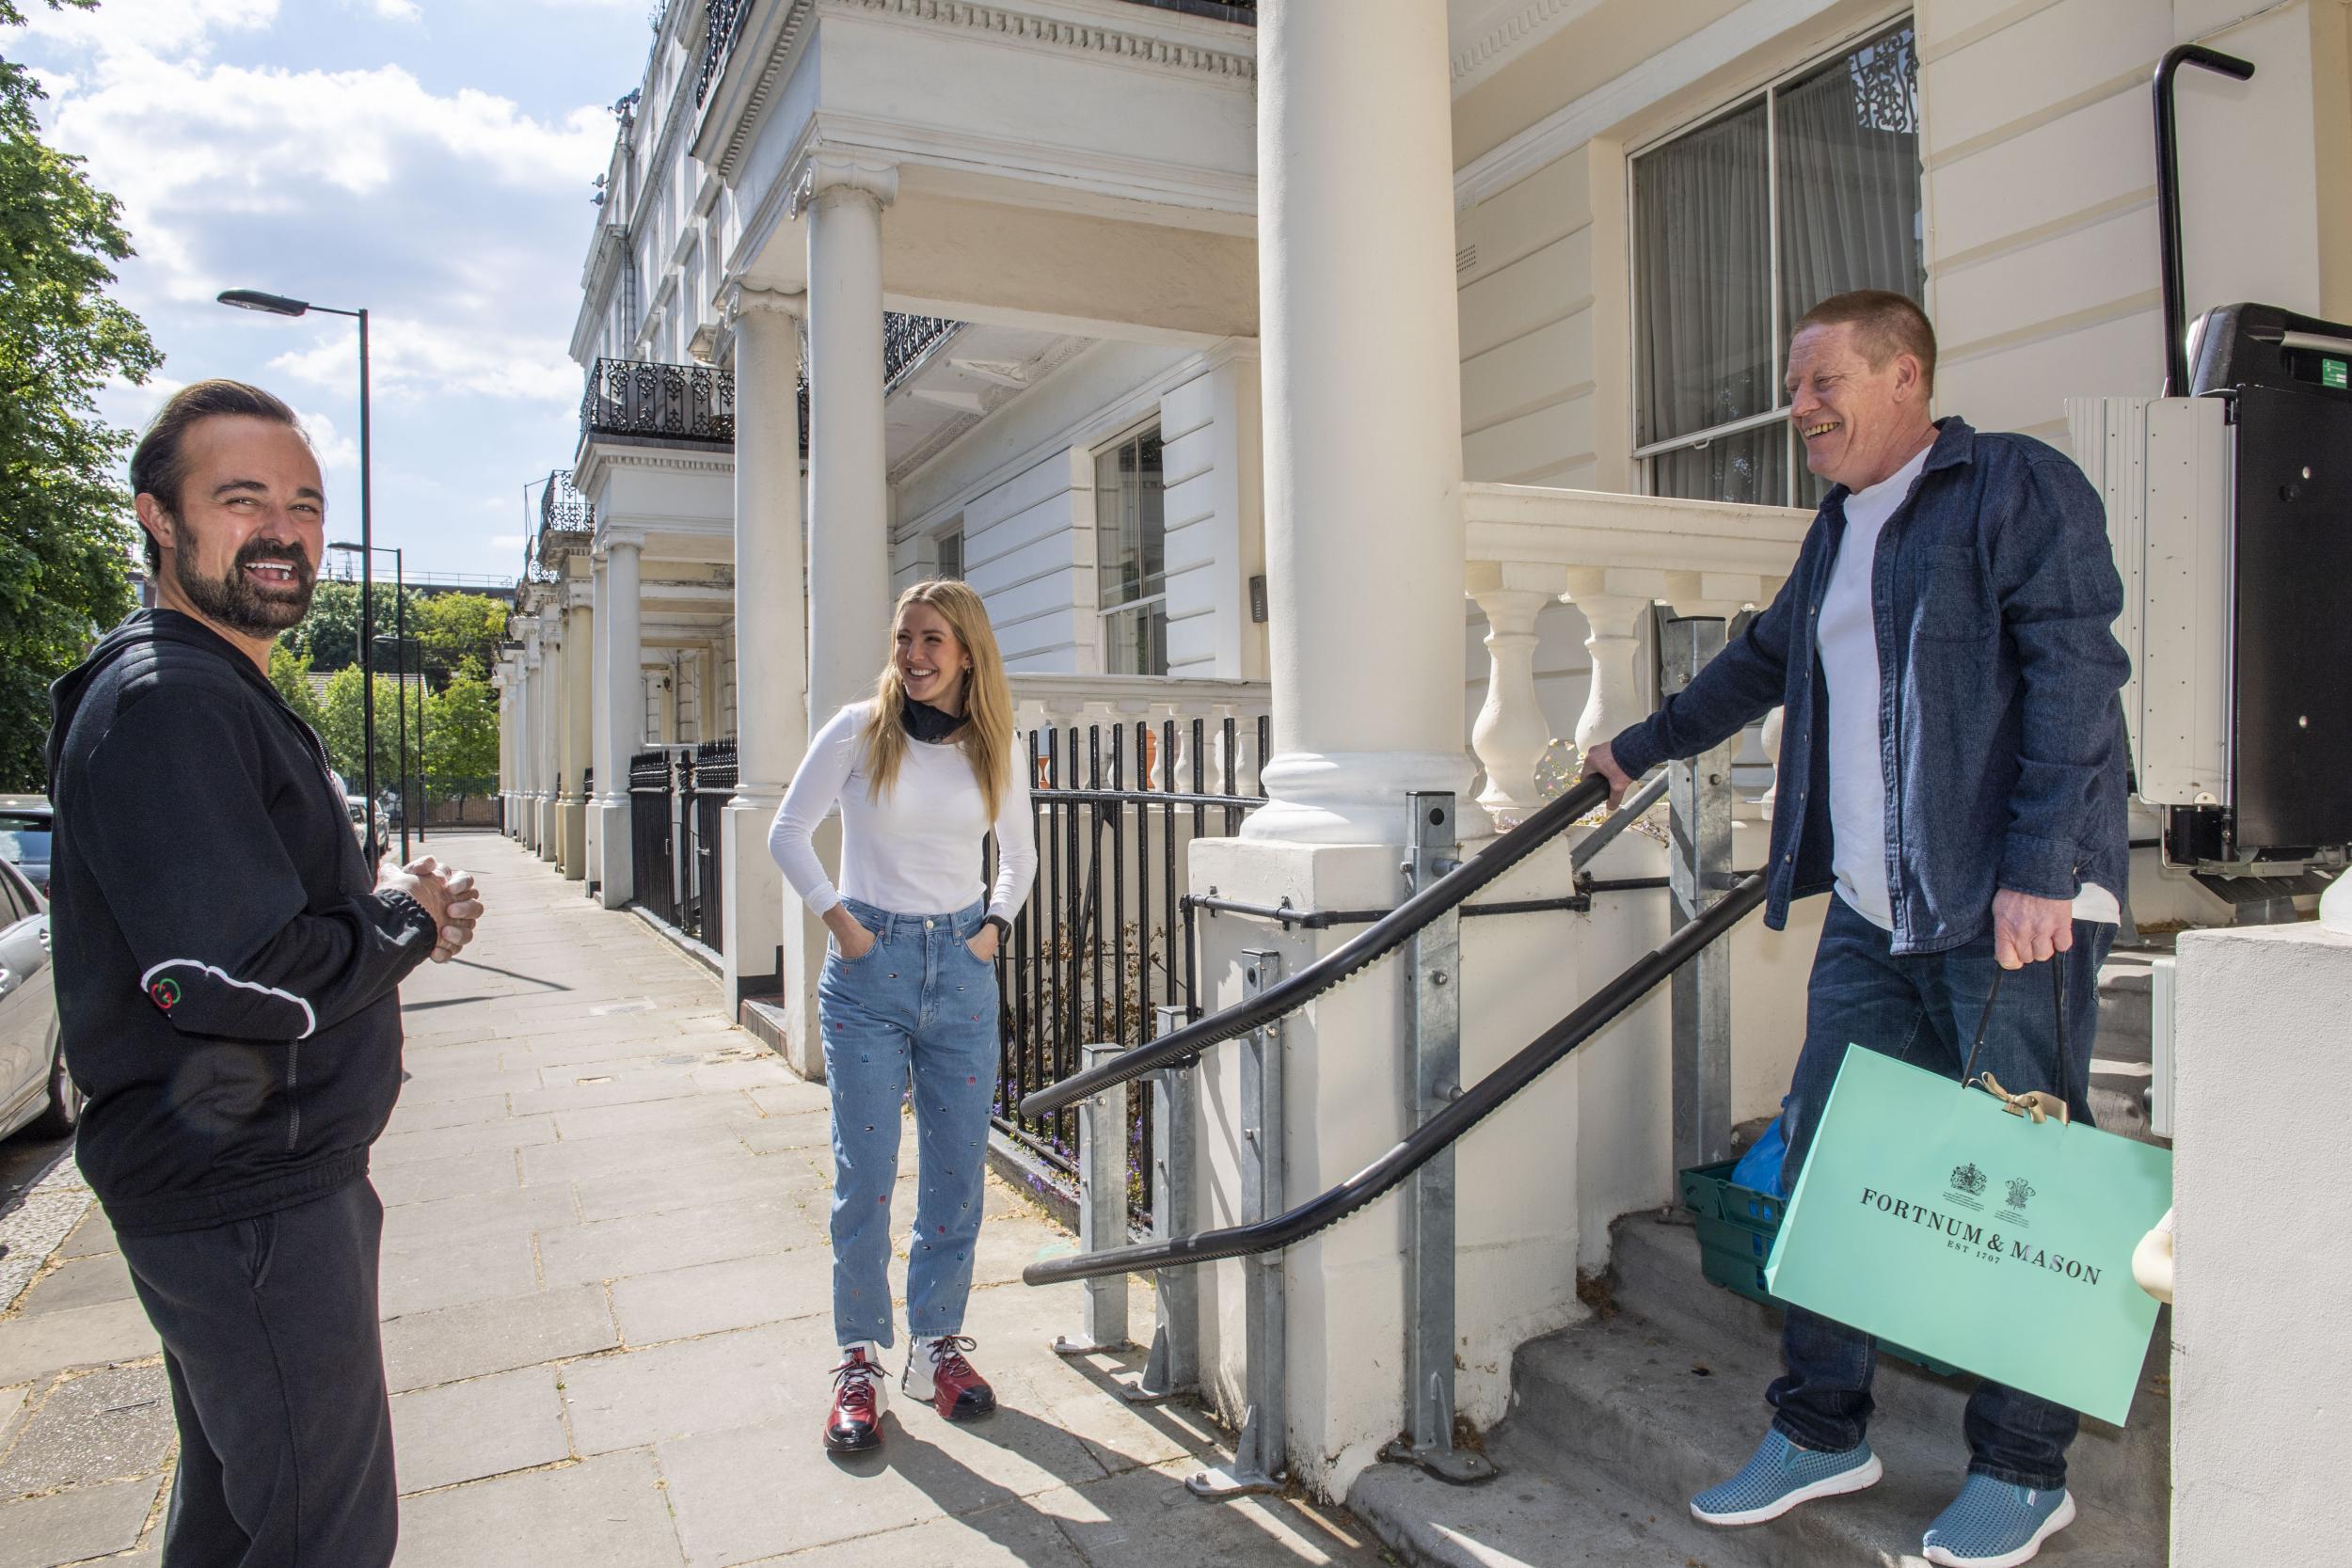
{"x":2034,"y":1102}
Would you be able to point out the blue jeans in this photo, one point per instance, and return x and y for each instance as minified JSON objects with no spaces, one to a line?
{"x":917,"y":1009}
{"x":1923,"y":1008}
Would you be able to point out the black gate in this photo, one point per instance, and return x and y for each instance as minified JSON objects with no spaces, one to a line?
{"x":711,"y":788}
{"x":651,"y":835}
{"x":1105,"y":939}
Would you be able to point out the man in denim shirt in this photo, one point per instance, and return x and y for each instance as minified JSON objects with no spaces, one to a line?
{"x":1952,"y":768}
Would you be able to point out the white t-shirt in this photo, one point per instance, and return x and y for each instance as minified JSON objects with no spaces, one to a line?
{"x":1848,"y":638}
{"x":917,"y":850}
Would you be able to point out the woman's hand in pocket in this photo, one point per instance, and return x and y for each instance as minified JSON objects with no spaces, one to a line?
{"x":983,"y":944}
{"x":849,"y":938}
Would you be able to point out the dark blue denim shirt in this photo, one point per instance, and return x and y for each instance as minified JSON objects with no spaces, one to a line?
{"x":2000,"y":732}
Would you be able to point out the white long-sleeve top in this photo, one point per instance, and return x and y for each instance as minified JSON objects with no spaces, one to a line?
{"x":917,"y":850}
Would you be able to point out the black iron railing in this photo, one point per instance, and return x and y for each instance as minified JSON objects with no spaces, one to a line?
{"x":651,"y":833}
{"x":1107,"y":938}
{"x":565,"y":518}
{"x":906,"y":340}
{"x":670,"y":402}
{"x":1243,"y":12}
{"x":711,"y":788}
{"x":727,"y":25}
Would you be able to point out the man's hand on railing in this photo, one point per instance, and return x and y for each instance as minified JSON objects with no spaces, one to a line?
{"x":1601,"y":761}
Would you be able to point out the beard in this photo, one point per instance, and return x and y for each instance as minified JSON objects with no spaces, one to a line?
{"x":242,"y":605}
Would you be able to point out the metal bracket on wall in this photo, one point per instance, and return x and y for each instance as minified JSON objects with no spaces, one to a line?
{"x":1434,"y":1021}
{"x":1174,"y":1366}
{"x":1261,"y":1457}
{"x":1102,"y":1211}
{"x":1699,"y":794}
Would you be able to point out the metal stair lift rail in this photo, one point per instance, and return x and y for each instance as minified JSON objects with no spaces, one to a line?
{"x":1433,"y":1136}
{"x":1367,"y":947}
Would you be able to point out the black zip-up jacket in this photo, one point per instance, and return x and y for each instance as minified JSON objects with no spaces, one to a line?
{"x":226,"y":972}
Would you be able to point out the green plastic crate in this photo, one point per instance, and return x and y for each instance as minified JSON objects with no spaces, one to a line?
{"x":1736,"y":1227}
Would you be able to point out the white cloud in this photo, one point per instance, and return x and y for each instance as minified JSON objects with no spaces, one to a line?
{"x":409,"y":356}
{"x":161,"y":26}
{"x":397,"y":11}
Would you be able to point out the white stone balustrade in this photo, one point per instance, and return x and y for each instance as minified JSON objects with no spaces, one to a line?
{"x":1060,"y":703}
{"x":1612,"y":557}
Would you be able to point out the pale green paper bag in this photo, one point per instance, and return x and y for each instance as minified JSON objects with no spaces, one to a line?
{"x":1928,"y":1215}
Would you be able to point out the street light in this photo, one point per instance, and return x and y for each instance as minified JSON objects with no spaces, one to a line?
{"x":400,"y":627}
{"x":401,"y":659}
{"x":278,"y":305}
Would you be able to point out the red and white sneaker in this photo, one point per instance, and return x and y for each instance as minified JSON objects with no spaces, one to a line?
{"x":938,"y":1374}
{"x":854,"y":1425}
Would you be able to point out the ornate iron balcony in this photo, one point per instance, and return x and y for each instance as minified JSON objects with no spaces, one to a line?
{"x":727,"y":25}
{"x":566,"y":521}
{"x":1243,"y":12}
{"x":907,"y":339}
{"x":668,"y":402}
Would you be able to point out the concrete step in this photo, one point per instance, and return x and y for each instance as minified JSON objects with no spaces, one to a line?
{"x":1655,"y":1274}
{"x":1530,"y":1516}
{"x":1665,"y":1415}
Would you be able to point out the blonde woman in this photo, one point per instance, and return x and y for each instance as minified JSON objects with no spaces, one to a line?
{"x":922,"y":772}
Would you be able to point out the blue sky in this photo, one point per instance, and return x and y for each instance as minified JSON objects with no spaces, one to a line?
{"x":432,"y":159}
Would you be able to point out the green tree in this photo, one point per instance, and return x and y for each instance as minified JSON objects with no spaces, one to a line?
{"x":343,"y":723}
{"x":66,"y":532}
{"x":330,"y":633}
{"x":454,"y":628}
{"x":290,"y":672}
{"x":462,"y":724}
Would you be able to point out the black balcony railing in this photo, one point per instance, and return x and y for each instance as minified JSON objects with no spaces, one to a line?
{"x":906,"y":340}
{"x":669,"y":402}
{"x":1243,"y":12}
{"x":727,"y":25}
{"x":565,"y":519}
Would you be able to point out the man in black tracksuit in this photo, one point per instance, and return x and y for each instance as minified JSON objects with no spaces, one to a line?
{"x":226,"y":967}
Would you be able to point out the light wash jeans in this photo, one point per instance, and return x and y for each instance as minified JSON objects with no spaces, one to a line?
{"x":1923,"y":1008}
{"x":917,"y":1009}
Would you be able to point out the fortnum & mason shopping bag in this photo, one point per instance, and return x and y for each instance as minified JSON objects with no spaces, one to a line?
{"x":1956,"y":1220}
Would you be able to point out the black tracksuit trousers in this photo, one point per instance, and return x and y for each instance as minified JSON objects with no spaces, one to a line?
{"x":270,"y":1337}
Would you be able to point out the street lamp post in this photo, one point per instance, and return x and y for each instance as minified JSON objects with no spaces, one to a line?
{"x":400,"y":644}
{"x":278,"y":305}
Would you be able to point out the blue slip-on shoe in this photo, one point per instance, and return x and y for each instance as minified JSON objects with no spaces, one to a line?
{"x":1781,"y":1474}
{"x":1994,"y":1524}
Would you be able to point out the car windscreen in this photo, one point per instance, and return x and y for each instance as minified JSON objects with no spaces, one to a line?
{"x":25,"y":839}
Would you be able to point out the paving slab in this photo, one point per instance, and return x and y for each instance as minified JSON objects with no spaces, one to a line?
{"x":492,"y":1425}
{"x":719,"y":1384}
{"x":489,"y":1170}
{"x":109,"y":1425}
{"x":731,"y":1174}
{"x":74,"y":1526}
{"x":48,"y":1342}
{"x":92,"y":1281}
{"x":1147,"y":1519}
{"x":479,"y":1268}
{"x":714,"y":1298}
{"x":495,"y":1335}
{"x":610,"y":1512}
{"x":1012,"y":1535}
{"x":94,"y":1235}
{"x":646,"y":1244}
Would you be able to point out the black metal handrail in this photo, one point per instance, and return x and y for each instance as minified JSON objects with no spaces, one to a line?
{"x":2169,"y":201}
{"x":1440,"y":1132}
{"x":1367,"y":946}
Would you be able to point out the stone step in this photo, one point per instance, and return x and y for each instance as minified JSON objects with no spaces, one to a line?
{"x":1530,"y":1516}
{"x":1655,"y":1274}
{"x":1666,"y":1415}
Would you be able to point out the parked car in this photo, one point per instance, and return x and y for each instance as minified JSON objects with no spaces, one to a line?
{"x":35,"y":1091}
{"x":25,"y":821}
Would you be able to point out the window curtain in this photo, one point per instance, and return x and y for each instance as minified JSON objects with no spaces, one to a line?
{"x":1850,"y":177}
{"x":1704,"y":243}
{"x":1704,"y":354}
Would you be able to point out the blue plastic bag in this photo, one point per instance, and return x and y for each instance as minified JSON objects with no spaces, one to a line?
{"x":1758,"y":1169}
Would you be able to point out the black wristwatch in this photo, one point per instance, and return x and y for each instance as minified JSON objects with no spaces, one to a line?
{"x":1004,"y":928}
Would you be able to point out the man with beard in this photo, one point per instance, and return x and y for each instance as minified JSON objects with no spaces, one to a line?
{"x":227,"y":973}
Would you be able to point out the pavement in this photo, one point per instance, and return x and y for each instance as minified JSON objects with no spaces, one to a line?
{"x":607,"y":1314}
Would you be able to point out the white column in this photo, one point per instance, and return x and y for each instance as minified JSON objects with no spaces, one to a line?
{"x":1363,"y":431}
{"x":1361,"y":375}
{"x":550,"y":736}
{"x":600,"y":669}
{"x":848,"y":553}
{"x":580,"y":639}
{"x":527,"y":743}
{"x":771,"y":684}
{"x":1511,"y":735}
{"x":620,"y":715}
